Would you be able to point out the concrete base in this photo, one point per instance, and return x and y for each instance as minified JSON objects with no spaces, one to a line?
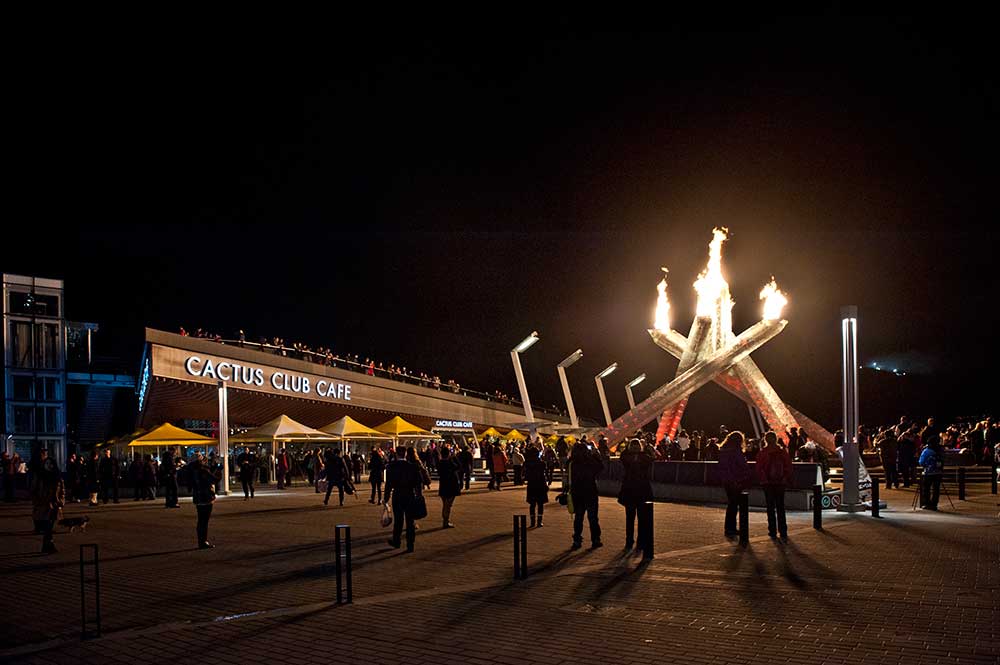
{"x":853,"y":508}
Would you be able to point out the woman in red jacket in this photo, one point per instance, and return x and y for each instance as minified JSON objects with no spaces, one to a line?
{"x":774,"y":473}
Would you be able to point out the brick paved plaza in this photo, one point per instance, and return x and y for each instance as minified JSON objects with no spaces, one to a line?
{"x":912,"y":587}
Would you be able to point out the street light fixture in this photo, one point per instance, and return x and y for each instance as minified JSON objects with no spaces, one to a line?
{"x":561,"y":370}
{"x":600,"y":389}
{"x":515,"y":357}
{"x":632,"y":384}
{"x":850,"y":501}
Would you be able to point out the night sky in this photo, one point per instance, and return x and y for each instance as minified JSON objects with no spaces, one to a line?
{"x":430,"y":197}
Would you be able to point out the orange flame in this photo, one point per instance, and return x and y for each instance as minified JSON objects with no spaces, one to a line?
{"x":662,"y":318}
{"x":711,"y":285}
{"x":774,"y":300}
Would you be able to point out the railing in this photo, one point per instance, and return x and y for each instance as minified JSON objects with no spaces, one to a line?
{"x":361,"y":368}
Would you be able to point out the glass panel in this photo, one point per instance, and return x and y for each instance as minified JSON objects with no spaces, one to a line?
{"x":20,"y":336}
{"x":24,"y":420}
{"x":46,"y":389}
{"x":47,"y":344}
{"x":22,"y":387}
{"x":49,"y":419}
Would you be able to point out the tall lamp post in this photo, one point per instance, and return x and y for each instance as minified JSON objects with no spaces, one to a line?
{"x":561,"y":370}
{"x":632,"y":384}
{"x":850,"y":499}
{"x":515,"y":356}
{"x":600,"y":389}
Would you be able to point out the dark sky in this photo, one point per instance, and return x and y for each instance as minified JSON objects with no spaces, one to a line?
{"x":431,"y":195}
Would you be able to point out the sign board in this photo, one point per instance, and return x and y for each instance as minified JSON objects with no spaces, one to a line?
{"x":457,"y":424}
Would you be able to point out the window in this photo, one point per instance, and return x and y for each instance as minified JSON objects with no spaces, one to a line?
{"x":47,"y":344}
{"x":24,"y":419}
{"x":46,"y":389}
{"x":22,"y":387}
{"x":48,"y":419}
{"x":34,"y":303}
{"x":20,"y":337}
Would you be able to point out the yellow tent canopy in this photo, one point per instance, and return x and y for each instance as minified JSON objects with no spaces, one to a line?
{"x":490,"y":432}
{"x":282,"y":428}
{"x":398,"y":428}
{"x":349,"y":428}
{"x":515,"y":435}
{"x":167,"y":435}
{"x":551,"y":441}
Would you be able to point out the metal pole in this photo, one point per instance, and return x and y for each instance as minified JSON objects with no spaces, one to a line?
{"x":95,"y":562}
{"x":744,"y":518}
{"x":515,"y":357}
{"x":875,"y":500}
{"x":961,"y":483}
{"x":517,"y":551}
{"x":224,"y":434}
{"x":604,"y":399}
{"x":753,"y":421}
{"x":347,"y":555}
{"x":818,"y":507}
{"x":523,"y":527}
{"x":631,"y":400}
{"x":849,"y":395}
{"x":561,"y":370}
{"x":993,"y":473}
{"x":336,"y":564}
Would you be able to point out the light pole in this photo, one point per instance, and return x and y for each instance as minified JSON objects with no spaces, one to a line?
{"x":561,"y":370}
{"x":600,"y":389}
{"x":850,"y":499}
{"x":632,"y":384}
{"x":515,"y":353}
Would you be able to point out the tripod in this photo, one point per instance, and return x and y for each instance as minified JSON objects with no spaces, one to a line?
{"x":919,"y":490}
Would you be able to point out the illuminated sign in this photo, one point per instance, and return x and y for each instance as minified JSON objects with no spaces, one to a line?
{"x":463,"y":424}
{"x":147,"y":370}
{"x":280,"y":381}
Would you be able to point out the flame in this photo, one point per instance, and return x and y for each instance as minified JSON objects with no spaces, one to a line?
{"x":662,"y":320}
{"x":710,"y":285}
{"x":774,"y":300}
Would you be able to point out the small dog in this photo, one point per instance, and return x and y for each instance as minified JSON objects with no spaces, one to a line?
{"x":75,"y":523}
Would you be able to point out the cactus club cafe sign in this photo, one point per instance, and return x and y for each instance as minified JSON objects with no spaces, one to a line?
{"x":260,"y":377}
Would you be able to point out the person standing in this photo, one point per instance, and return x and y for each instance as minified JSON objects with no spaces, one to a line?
{"x":336,"y":474}
{"x":734,"y":472}
{"x":517,"y":461}
{"x":888,"y":451}
{"x":550,"y":460}
{"x":92,"y":478}
{"x":636,"y":492}
{"x":203,"y":496}
{"x":168,"y":471}
{"x":465,"y":466}
{"x":281,"y":468}
{"x":584,"y":466}
{"x":72,"y":479}
{"x":906,"y":454}
{"x":538,"y":486}
{"x":319,"y":469}
{"x":48,"y":496}
{"x":932,"y":460}
{"x":356,"y":464}
{"x":449,"y":484}
{"x":402,"y":487}
{"x":774,"y":473}
{"x":8,"y":470}
{"x":499,"y":467}
{"x":109,"y":471}
{"x":247,"y":464}
{"x":148,"y":471}
{"x":376,"y":474}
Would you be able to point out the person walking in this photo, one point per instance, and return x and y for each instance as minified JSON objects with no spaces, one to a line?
{"x":774,"y":473}
{"x":734,"y":472}
{"x":247,"y":464}
{"x":203,"y":496}
{"x":48,"y":496}
{"x":356,"y":463}
{"x":517,"y":461}
{"x":550,"y":460}
{"x":376,"y":474}
{"x":109,"y":470}
{"x":465,"y":466}
{"x":499,"y":467}
{"x":425,"y":476}
{"x":449,"y":484}
{"x":402,"y":487}
{"x":168,"y":472}
{"x":538,"y":486}
{"x":636,"y":492}
{"x":584,"y":466}
{"x":337,"y":475}
{"x":932,"y":460}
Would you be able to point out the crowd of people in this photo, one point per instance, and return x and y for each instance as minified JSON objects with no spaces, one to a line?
{"x":399,"y":476}
{"x":325,"y":356}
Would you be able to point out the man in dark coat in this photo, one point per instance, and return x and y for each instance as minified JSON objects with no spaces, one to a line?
{"x":465,"y":466}
{"x":108,"y":469}
{"x":636,"y":491}
{"x":376,"y":474}
{"x":356,"y":464}
{"x":168,"y":470}
{"x":247,"y":463}
{"x":584,"y":466}
{"x":403,"y":485}
{"x":538,"y":485}
{"x":449,"y":484}
{"x":337,"y":474}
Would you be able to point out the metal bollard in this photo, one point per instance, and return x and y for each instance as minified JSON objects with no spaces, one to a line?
{"x":520,"y":547}
{"x":818,"y":507}
{"x":96,"y":580}
{"x":993,"y":476}
{"x":875,"y":500}
{"x":744,"y":518}
{"x":343,"y":570}
{"x":646,"y":527}
{"x":961,"y":483}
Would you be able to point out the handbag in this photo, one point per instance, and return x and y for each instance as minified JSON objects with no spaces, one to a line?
{"x":418,"y":507}
{"x":386,"y":519}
